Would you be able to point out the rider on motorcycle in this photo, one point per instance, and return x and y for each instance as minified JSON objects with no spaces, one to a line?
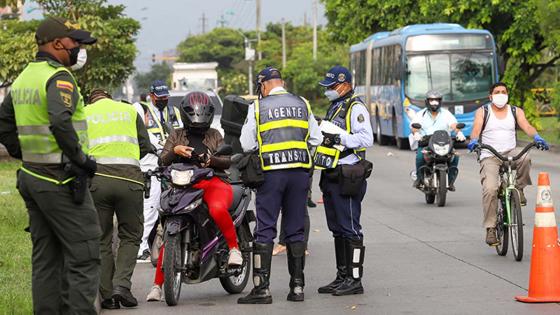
{"x":197,"y":113}
{"x":433,"y":118}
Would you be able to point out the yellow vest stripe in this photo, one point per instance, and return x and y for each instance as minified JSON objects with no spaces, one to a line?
{"x":283,"y":124}
{"x":112,"y":139}
{"x":283,"y":146}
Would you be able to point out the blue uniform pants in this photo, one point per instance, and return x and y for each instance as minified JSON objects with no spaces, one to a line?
{"x":421,"y":162}
{"x":284,"y":190}
{"x":342,"y":212}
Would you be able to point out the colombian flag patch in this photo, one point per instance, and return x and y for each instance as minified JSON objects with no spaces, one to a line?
{"x":65,"y":85}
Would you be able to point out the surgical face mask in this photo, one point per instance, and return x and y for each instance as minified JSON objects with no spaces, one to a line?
{"x":332,"y":95}
{"x":81,"y":60}
{"x":434,"y":105}
{"x":500,"y":100}
{"x":160,"y":104}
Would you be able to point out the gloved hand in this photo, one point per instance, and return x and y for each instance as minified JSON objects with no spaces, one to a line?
{"x":417,"y":136}
{"x":460,"y":136}
{"x":472,"y":145}
{"x":541,"y":143}
{"x":330,"y":139}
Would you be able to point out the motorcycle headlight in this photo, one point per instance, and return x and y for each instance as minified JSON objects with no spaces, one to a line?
{"x":441,"y":149}
{"x":193,"y":205}
{"x":181,"y":178}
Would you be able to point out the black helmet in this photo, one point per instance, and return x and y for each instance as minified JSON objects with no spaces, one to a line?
{"x":431,"y":97}
{"x":197,"y":110}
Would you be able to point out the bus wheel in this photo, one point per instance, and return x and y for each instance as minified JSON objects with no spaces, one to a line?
{"x":379,"y":137}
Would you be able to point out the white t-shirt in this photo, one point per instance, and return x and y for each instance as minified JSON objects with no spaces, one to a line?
{"x":442,"y":121}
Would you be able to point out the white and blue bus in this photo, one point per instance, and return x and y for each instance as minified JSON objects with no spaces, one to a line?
{"x":394,"y":70}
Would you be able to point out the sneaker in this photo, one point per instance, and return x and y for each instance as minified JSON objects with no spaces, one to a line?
{"x":235,"y":257}
{"x":522,"y":198}
{"x":145,"y":257}
{"x":491,"y":238}
{"x":278,"y":249}
{"x":155,"y":294}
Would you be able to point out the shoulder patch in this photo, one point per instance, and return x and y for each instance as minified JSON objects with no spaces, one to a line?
{"x":361,"y":118}
{"x":66,"y":99}
{"x":65,"y":85}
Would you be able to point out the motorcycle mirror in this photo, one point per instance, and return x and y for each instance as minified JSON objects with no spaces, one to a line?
{"x":460,"y":125}
{"x":225,"y":149}
{"x":416,"y":126}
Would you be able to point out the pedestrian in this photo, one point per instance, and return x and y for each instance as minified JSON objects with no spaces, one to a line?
{"x":343,"y":179}
{"x":117,"y":139}
{"x":281,"y":126}
{"x":43,"y":123}
{"x":161,"y":120}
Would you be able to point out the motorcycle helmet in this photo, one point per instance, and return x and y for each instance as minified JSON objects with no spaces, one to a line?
{"x":433,"y":100}
{"x":197,"y":110}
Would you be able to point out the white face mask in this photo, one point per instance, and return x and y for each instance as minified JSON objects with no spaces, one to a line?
{"x":332,"y":95}
{"x":500,"y":100}
{"x":82,"y":59}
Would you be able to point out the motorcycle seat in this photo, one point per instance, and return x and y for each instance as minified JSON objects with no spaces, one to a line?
{"x":237,"y":194}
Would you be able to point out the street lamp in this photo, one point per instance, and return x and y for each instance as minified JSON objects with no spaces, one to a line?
{"x":249,"y":57}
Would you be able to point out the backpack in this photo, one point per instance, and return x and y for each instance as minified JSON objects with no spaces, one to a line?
{"x":487,"y":116}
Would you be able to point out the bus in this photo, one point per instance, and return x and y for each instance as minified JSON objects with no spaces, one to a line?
{"x":394,"y":70}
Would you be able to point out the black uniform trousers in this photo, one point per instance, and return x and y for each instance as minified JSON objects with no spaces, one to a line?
{"x":65,"y":255}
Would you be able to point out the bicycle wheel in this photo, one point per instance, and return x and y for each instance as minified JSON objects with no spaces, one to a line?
{"x":516,"y":226}
{"x":502,"y":230}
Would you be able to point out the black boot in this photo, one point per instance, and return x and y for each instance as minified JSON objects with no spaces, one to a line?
{"x":262,"y":256}
{"x":354,"y":266}
{"x":339,"y":252}
{"x":296,"y":264}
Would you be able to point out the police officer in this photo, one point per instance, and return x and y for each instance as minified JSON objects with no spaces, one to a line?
{"x":343,"y":208}
{"x":117,"y":139}
{"x":43,"y":123}
{"x":281,"y":127}
{"x":161,"y":120}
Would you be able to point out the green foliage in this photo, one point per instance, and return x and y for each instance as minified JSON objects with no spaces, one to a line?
{"x":17,"y":48}
{"x":532,"y":113}
{"x":233,"y":82}
{"x":159,"y":71}
{"x":223,"y":45}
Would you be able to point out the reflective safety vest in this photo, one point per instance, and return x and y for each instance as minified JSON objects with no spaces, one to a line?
{"x":29,"y":95}
{"x":326,"y":157}
{"x":154,"y":125}
{"x":113,"y":137}
{"x":282,"y":131}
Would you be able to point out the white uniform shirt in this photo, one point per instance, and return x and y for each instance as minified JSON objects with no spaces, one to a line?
{"x":442,"y":121}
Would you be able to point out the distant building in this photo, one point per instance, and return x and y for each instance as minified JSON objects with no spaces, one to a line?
{"x":190,"y":76}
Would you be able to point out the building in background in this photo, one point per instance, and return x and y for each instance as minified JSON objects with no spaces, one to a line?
{"x":192,"y":76}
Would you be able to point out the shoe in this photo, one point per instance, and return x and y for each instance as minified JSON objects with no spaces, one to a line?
{"x":491,"y":238}
{"x":110,"y":304}
{"x":310,"y":203}
{"x":262,"y":258}
{"x":124,"y":296}
{"x":278,"y":249}
{"x":155,"y":294}
{"x":340,"y":257}
{"x":451,"y":187}
{"x":145,"y":257}
{"x":418,"y":184}
{"x":522,"y":198}
{"x":354,"y":254}
{"x":235,"y":257}
{"x":296,"y":264}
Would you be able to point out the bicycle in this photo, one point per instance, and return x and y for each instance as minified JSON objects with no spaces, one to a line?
{"x":509,"y":216}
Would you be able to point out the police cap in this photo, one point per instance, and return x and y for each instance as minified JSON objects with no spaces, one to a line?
{"x":337,"y":74}
{"x":53,"y":27}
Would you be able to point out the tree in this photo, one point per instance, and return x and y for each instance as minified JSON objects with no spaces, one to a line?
{"x":159,"y":71}
{"x":17,"y":48}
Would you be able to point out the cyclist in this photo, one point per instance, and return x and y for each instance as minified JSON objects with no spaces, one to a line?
{"x":433,"y":118}
{"x":495,"y":125}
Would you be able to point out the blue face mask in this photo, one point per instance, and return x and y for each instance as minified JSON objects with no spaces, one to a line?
{"x":332,"y":95}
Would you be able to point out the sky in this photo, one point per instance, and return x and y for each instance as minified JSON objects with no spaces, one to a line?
{"x":165,"y":23}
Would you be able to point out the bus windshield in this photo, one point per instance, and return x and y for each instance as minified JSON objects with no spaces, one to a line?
{"x":458,"y":76}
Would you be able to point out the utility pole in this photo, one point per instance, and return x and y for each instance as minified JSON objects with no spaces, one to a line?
{"x":259,"y":28}
{"x":222,"y":21}
{"x":203,"y":19}
{"x":305,"y":19}
{"x":314,"y":30}
{"x":283,"y":44}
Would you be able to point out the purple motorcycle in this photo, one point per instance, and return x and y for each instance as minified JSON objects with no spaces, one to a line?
{"x":195,"y":249}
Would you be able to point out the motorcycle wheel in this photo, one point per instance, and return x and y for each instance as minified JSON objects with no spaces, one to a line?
{"x":430,"y":198}
{"x":441,"y":189}
{"x":172,"y":258}
{"x":154,"y":251}
{"x":236,"y":284}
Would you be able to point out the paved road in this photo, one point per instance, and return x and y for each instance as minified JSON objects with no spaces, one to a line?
{"x":420,"y":259}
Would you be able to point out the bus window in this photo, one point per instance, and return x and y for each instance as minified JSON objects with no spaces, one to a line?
{"x":471,"y":76}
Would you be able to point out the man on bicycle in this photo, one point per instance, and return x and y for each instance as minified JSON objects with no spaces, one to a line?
{"x":433,"y":118}
{"x":495,"y":125}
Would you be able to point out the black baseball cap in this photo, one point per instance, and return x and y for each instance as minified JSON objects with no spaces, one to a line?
{"x":54,"y":27}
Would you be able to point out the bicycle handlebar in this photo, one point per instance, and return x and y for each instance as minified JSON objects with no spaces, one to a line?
{"x":501,"y":157}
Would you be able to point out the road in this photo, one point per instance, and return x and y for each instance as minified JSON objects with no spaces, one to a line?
{"x":420,"y":259}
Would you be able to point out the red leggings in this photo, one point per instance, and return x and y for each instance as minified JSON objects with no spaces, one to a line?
{"x":218,"y":195}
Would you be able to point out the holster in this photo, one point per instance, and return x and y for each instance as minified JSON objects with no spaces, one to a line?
{"x":251,"y":170}
{"x":147,"y":185}
{"x":79,"y":185}
{"x":352,"y":177}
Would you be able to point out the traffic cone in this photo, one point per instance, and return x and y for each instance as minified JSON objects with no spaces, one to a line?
{"x":544,"y":279}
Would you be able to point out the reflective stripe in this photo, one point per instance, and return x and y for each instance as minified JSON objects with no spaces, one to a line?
{"x":284,"y":124}
{"x":48,"y":179}
{"x":545,"y":219}
{"x":45,"y":129}
{"x":113,"y":160}
{"x":285,"y":166}
{"x":112,"y":139}
{"x":283,"y":146}
{"x":49,"y":158}
{"x":80,"y":125}
{"x":121,"y":178}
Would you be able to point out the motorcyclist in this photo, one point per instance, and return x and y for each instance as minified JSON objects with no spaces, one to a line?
{"x":432,"y":118}
{"x":197,"y":113}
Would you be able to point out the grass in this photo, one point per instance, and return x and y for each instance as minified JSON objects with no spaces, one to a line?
{"x":550,"y":131}
{"x":15,"y":246}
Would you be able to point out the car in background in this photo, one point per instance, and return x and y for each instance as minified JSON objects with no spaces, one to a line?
{"x":176,"y":97}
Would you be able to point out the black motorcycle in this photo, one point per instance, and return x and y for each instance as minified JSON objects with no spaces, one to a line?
{"x":438,"y":153}
{"x":195,"y":250}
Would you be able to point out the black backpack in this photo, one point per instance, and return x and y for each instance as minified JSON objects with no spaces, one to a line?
{"x":487,"y":116}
